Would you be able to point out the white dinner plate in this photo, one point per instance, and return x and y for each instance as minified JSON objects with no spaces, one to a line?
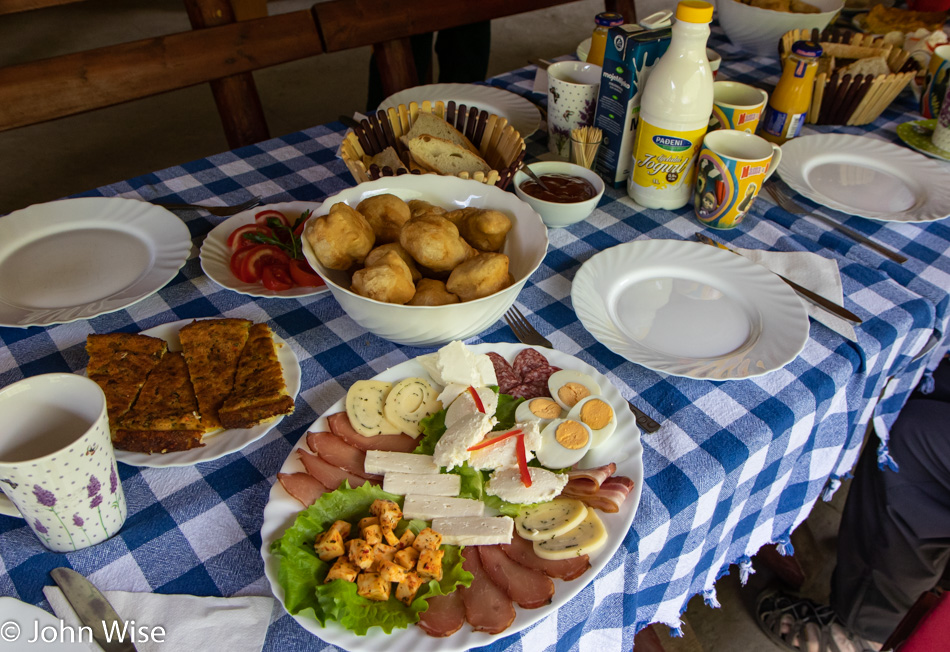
{"x":520,"y":113}
{"x":80,"y":258}
{"x":867,"y":177}
{"x":216,"y":255}
{"x":688,"y":309}
{"x":583,"y":49}
{"x":223,"y":442}
{"x":623,"y":448}
{"x":28,"y":618}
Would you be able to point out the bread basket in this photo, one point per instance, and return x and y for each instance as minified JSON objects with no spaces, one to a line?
{"x":843,"y":99}
{"x":499,"y":143}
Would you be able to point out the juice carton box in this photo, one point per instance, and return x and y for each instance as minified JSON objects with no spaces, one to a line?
{"x":630,"y":56}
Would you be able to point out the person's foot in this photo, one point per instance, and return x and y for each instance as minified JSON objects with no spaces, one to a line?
{"x":801,"y":625}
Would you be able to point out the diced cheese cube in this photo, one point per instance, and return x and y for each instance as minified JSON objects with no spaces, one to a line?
{"x":427,"y":539}
{"x":366,"y":522}
{"x":383,"y":462}
{"x":391,"y":571}
{"x":360,"y":553}
{"x":407,"y":558}
{"x":429,"y":484}
{"x":372,"y":534}
{"x":342,"y":527}
{"x":427,"y":508}
{"x":405,"y":541}
{"x":390,"y":537}
{"x":474,"y":530}
{"x":407,"y":589}
{"x":342,"y":569}
{"x":429,"y":565}
{"x":387,"y":512}
{"x":383,"y":552}
{"x":329,"y":545}
{"x":372,"y":586}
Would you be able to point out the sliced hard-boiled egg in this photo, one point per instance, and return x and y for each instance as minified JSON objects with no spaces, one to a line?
{"x":541,"y":409}
{"x":548,"y":520}
{"x":598,"y":415}
{"x":568,"y":387}
{"x":563,"y":443}
{"x":585,"y":539}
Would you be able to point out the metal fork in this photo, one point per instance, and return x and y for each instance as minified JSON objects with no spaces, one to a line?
{"x":528,"y":334}
{"x":782,"y":198}
{"x":220,"y":211}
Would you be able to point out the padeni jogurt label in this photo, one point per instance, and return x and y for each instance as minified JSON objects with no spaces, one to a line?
{"x":665,"y":158}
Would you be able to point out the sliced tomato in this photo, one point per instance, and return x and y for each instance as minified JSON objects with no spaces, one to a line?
{"x":276,"y":277}
{"x":298,"y":230}
{"x":259,"y":257}
{"x":304,"y":275}
{"x":263,"y":216}
{"x":237,"y":240}
{"x":237,"y":263}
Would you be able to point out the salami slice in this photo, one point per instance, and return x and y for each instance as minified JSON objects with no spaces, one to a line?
{"x":539,"y":374}
{"x":526,"y":360}
{"x":507,"y":377}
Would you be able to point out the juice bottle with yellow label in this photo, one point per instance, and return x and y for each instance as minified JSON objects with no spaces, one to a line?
{"x":674,"y":113}
{"x":789,"y":102}
{"x":598,"y":40}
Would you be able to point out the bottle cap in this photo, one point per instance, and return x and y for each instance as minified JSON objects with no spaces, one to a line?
{"x":806,"y":49}
{"x":694,"y":11}
{"x":608,"y":19}
{"x":657,"y":20}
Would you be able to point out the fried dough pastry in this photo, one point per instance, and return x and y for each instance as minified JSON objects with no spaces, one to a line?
{"x":386,"y":214}
{"x":340,"y":239}
{"x":484,"y":274}
{"x":484,"y":229}
{"x":377,"y":253}
{"x":389,"y":280}
{"x":419,"y":207}
{"x":432,"y":292}
{"x":434,"y":243}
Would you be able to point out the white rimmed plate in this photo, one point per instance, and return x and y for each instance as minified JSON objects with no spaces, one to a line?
{"x":623,"y":448}
{"x":80,"y":258}
{"x":7,"y":508}
{"x":866,"y":177}
{"x":29,"y":618}
{"x":520,"y":113}
{"x":687,"y":309}
{"x":223,"y":442}
{"x":215,"y":254}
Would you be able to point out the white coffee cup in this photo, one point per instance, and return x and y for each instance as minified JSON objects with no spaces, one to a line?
{"x":57,"y":464}
{"x":573,"y":87}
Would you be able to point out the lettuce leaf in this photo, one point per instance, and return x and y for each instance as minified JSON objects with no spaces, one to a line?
{"x":301,"y":571}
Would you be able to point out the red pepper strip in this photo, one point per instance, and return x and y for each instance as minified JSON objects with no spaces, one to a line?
{"x":477,"y":399}
{"x":523,"y":461}
{"x":494,"y":440}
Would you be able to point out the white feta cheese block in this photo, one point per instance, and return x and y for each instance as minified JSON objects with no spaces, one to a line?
{"x":427,"y":508}
{"x":465,"y":404}
{"x":455,"y":363}
{"x":430,"y":484}
{"x":502,"y":455}
{"x":452,"y":449}
{"x":507,"y":485}
{"x":474,"y":530}
{"x":383,"y":462}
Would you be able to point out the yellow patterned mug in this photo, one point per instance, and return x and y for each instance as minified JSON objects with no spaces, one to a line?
{"x":730,"y":171}
{"x":737,"y":106}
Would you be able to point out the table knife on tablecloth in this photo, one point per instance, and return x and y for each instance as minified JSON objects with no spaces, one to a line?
{"x":93,"y":609}
{"x":817,"y":299}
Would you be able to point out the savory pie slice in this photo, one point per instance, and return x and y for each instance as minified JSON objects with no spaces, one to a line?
{"x":165,"y":415}
{"x":212,"y":348}
{"x":259,"y":391}
{"x":120,"y":363}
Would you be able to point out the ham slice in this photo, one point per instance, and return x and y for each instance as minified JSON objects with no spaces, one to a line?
{"x":302,"y":486}
{"x":338,"y":453}
{"x":588,"y":481}
{"x":340,"y":426}
{"x":487,"y":607}
{"x":330,"y":476}
{"x":522,"y":551}
{"x":528,"y":588}
{"x":445,"y":615}
{"x":608,"y":498}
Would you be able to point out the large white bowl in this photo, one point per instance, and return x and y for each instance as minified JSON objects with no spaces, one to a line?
{"x":555,"y":214}
{"x":526,"y":246}
{"x":759,"y":30}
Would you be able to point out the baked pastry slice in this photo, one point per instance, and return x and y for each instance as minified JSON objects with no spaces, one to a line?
{"x":212,"y":348}
{"x":259,"y":390}
{"x":165,"y":415}
{"x":120,"y":363}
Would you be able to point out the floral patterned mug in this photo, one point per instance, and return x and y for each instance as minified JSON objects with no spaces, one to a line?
{"x":573,"y":87}
{"x":57,"y":464}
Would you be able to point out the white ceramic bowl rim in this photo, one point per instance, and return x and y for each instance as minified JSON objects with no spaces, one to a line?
{"x":554,"y":167}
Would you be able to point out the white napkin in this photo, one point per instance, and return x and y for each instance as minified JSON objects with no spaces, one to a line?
{"x":815,"y":272}
{"x":236,"y":624}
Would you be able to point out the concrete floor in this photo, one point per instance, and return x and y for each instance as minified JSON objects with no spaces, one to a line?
{"x":48,"y":161}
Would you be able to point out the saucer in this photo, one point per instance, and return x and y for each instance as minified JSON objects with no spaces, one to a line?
{"x":917,"y":135}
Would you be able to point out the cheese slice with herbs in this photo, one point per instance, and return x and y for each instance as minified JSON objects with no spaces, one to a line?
{"x":585,"y":539}
{"x":364,"y":406}
{"x":551,"y":519}
{"x":409,"y":402}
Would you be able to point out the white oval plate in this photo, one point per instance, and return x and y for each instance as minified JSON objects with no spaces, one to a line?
{"x":866,"y":177}
{"x":220,"y":443}
{"x":623,"y":448}
{"x":216,"y":255}
{"x":520,"y":113}
{"x":29,"y":617}
{"x":688,"y":309}
{"x":80,"y":258}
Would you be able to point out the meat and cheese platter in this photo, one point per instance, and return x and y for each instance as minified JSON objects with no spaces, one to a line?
{"x":525,"y":493}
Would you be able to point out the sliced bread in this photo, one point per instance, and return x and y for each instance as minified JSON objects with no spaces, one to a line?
{"x":433,"y":125}
{"x":446,"y":157}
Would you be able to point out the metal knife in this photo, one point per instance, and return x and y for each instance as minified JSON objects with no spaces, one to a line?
{"x":817,"y":299}
{"x":93,"y":609}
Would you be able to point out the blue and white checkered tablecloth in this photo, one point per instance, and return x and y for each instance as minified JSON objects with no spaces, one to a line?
{"x":736,"y":466}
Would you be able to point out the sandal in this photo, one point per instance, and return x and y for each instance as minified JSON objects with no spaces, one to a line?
{"x":800,"y":625}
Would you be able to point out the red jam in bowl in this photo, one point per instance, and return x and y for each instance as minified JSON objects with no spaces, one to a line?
{"x":564,"y":188}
